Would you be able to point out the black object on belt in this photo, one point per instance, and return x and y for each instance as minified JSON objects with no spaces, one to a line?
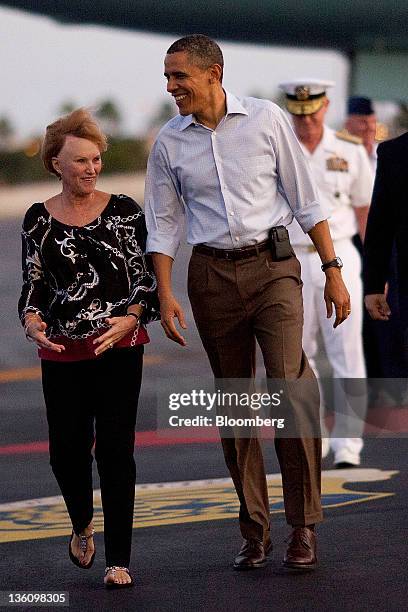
{"x":233,"y":254}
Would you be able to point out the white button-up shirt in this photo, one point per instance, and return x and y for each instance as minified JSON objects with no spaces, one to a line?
{"x":233,"y":183}
{"x":339,"y":190}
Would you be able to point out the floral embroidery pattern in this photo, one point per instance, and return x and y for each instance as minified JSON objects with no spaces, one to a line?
{"x":76,"y":277}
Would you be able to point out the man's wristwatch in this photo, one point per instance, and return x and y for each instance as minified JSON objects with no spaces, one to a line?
{"x":334,"y":263}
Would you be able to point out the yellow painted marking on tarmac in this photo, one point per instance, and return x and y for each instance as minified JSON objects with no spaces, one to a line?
{"x":177,"y":503}
{"x":34,"y":373}
{"x":7,"y":376}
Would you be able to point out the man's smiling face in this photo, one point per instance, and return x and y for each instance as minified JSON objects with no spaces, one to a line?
{"x":188,"y":83}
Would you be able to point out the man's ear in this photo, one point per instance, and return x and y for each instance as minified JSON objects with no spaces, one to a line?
{"x":215,"y":73}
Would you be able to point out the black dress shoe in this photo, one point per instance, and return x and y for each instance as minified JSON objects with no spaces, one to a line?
{"x":344,"y":465}
{"x":301,"y":552}
{"x":252,"y":555}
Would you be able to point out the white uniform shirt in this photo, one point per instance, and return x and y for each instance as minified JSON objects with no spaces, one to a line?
{"x":344,"y":179}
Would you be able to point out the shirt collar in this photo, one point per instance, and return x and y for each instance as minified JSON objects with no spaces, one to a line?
{"x":329,"y":139}
{"x":327,"y":143}
{"x":234,"y":107}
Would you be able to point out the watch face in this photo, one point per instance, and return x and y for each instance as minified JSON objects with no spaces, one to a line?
{"x":334,"y":263}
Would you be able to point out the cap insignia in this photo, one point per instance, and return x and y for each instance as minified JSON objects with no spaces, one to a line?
{"x":302,"y":92}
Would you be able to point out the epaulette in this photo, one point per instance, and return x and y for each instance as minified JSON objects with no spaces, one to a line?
{"x":381,"y":132}
{"x":345,"y":135}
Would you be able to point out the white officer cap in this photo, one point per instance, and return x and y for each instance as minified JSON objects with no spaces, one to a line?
{"x":305,"y":96}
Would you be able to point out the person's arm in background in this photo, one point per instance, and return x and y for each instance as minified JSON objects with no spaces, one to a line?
{"x":165,"y":221}
{"x":379,"y":238}
{"x":297,"y":184}
{"x":361,"y":213}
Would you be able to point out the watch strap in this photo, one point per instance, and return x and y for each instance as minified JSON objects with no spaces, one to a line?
{"x":333,"y":263}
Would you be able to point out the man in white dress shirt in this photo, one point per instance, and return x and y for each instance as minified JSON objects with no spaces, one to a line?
{"x":344,"y":180}
{"x":234,"y":169}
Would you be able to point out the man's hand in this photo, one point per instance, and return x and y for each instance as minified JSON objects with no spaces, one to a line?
{"x":377,"y":306}
{"x":171,"y":309}
{"x":335,"y":292}
{"x":34,"y":328}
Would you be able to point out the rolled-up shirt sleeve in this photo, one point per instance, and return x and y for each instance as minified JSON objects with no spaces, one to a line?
{"x":295,"y":181}
{"x":164,"y":209}
{"x":34,"y":292}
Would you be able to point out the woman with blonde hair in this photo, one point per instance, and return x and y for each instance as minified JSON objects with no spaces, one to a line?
{"x":88,"y":291}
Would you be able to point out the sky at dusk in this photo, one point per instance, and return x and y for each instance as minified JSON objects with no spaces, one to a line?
{"x":44,"y":64}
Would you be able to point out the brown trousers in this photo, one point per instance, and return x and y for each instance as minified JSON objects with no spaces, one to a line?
{"x":235,"y":303}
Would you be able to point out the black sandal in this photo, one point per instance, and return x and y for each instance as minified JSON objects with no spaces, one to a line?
{"x":118,"y":585}
{"x":83,"y":544}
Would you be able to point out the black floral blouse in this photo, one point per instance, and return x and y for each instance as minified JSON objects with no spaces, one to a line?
{"x":76,"y":277}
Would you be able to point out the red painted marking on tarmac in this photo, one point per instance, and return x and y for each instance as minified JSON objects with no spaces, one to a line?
{"x":166,"y":437}
{"x":382,"y":422}
{"x":24,"y":449}
{"x":181,"y":435}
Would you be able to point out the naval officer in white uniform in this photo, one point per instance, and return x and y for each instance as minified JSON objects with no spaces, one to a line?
{"x":344,"y":180}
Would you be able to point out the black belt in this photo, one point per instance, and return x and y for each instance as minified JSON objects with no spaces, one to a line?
{"x":233,"y":254}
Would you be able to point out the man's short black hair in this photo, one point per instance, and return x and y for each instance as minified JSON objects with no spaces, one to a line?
{"x":204,"y":51}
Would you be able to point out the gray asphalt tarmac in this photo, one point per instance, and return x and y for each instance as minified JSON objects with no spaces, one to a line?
{"x":185,"y":565}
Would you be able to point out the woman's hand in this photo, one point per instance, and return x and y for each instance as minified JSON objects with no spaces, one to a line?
{"x":120,"y":327}
{"x":34,"y":328}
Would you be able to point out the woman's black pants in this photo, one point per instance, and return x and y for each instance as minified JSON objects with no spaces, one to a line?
{"x":96,"y":401}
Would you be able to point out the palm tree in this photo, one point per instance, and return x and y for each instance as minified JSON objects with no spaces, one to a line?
{"x":401,"y":120}
{"x":109,"y":116}
{"x":165,"y":111}
{"x":6,"y":132}
{"x":66,"y":107}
